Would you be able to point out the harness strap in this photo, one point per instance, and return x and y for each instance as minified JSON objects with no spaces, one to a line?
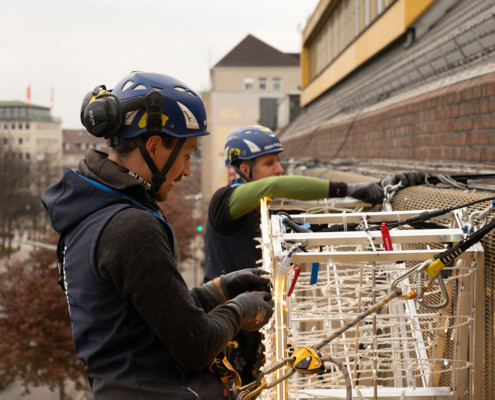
{"x":222,"y":368}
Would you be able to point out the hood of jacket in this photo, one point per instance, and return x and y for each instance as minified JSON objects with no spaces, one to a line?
{"x":98,"y":183}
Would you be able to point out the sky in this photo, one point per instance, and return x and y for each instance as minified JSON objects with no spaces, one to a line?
{"x":62,"y":49}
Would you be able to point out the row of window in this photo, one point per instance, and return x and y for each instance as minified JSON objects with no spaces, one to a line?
{"x":27,"y":142}
{"x":81,"y":146}
{"x":344,"y":24}
{"x":16,"y":141}
{"x":13,"y":112}
{"x":15,"y":125}
{"x":40,"y":156}
{"x":263,"y":84}
{"x":21,"y":156}
{"x":47,"y":143}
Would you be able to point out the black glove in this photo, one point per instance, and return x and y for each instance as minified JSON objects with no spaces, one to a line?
{"x":405,"y":178}
{"x":244,"y":280}
{"x":255,"y":309}
{"x":369,"y":192}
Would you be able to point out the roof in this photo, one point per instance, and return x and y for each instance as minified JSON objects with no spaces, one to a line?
{"x":16,"y":103}
{"x":252,"y":52}
{"x":459,"y":41}
{"x":79,"y":140}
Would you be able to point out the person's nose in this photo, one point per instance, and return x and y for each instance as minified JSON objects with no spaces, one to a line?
{"x":278,"y":169}
{"x":187,"y":168}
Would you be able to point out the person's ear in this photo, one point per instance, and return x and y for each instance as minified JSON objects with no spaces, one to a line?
{"x":244,"y":168}
{"x":153,"y":144}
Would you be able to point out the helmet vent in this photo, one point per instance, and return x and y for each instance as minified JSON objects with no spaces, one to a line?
{"x":140,"y":87}
{"x":181,"y":89}
{"x":127,"y":85}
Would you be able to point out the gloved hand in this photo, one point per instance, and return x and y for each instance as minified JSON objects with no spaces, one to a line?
{"x":369,"y":192}
{"x":405,"y":178}
{"x":255,"y":309}
{"x":244,"y":280}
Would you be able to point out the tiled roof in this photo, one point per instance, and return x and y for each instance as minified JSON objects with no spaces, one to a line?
{"x":252,"y":52}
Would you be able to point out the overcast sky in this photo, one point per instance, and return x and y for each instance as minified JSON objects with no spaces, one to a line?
{"x":72,"y":46}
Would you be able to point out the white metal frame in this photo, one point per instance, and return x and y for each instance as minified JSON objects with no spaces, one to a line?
{"x":273,"y":239}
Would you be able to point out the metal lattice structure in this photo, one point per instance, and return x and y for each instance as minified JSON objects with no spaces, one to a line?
{"x":408,"y":349}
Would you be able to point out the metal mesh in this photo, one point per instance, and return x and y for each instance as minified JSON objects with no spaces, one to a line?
{"x":423,"y":198}
{"x":406,"y":346}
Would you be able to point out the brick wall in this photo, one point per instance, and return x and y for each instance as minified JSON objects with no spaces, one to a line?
{"x":454,"y":124}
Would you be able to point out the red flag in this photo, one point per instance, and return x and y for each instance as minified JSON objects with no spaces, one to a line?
{"x":29,"y":94}
{"x":52,"y":97}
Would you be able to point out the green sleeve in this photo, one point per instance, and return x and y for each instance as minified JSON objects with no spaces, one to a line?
{"x":245,"y":198}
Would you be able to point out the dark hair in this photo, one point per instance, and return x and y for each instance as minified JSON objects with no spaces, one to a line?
{"x":127,"y":146}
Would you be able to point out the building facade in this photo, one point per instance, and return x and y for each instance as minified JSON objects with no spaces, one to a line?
{"x":397,"y":81}
{"x":245,"y":87}
{"x":30,"y":133}
{"x":76,"y":142}
{"x":394,"y":85}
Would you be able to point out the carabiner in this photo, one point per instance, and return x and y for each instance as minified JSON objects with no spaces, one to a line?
{"x":389,"y":192}
{"x":418,"y":293}
{"x":481,"y":215}
{"x":421,"y":289}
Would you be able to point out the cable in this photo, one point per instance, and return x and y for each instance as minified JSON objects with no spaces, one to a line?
{"x":426,"y":215}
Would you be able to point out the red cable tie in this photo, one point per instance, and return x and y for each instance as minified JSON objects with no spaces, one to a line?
{"x":297,"y":271}
{"x":387,"y":240}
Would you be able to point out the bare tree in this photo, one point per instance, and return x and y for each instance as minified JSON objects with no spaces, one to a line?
{"x":14,"y":181}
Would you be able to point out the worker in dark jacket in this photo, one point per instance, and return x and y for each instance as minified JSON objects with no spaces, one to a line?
{"x":140,"y":331}
{"x":233,"y":222}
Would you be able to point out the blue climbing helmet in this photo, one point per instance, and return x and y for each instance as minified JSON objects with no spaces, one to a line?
{"x":145,"y":103}
{"x":124,"y":111}
{"x":249,"y":142}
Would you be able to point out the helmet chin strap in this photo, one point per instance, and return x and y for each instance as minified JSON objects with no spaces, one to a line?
{"x":154,"y":107}
{"x":158,"y":178}
{"x":244,"y":177}
{"x":238,"y":170}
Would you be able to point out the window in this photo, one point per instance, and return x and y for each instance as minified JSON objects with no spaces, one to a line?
{"x":276,"y":84}
{"x":262,"y":83}
{"x":248,"y":84}
{"x":346,"y":21}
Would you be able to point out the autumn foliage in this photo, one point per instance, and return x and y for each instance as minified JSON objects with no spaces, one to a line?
{"x":182,"y":211}
{"x":36,"y":346}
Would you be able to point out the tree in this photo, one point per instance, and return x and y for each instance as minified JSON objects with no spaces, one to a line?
{"x":36,"y":346}
{"x":14,"y":175}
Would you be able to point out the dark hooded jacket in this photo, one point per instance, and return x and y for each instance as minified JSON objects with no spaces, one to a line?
{"x":140,"y":331}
